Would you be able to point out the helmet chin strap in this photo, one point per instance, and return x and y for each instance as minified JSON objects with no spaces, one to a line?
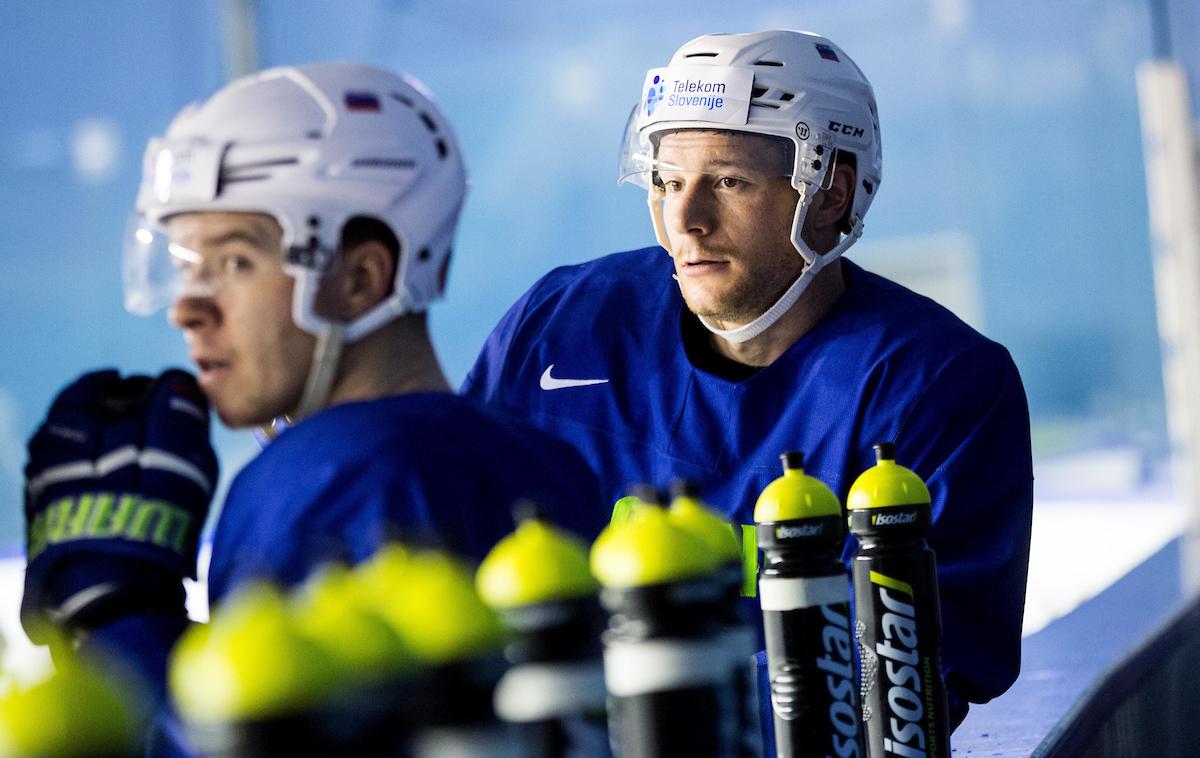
{"x":749,"y":331}
{"x":327,"y":355}
{"x":813,"y":263}
{"x":332,"y":337}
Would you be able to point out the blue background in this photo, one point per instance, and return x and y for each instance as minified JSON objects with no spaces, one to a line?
{"x":1013,"y":125}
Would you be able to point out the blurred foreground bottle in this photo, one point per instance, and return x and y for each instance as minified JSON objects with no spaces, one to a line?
{"x":736,"y":636}
{"x":428,"y":597}
{"x":80,"y":711}
{"x":666,"y":672}
{"x":248,"y":684}
{"x":537,"y":579}
{"x":397,"y":657}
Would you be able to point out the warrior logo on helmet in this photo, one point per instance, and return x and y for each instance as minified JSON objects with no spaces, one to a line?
{"x":654,"y":95}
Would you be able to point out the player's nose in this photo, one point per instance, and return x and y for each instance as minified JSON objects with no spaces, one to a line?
{"x":691,"y":211}
{"x":193,"y":312}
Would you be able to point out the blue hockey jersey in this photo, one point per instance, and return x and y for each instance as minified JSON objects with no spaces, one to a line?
{"x":424,"y":467}
{"x":421,"y":467}
{"x":594,"y":354}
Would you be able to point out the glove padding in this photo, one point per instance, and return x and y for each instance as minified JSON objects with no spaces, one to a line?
{"x":117,"y":487}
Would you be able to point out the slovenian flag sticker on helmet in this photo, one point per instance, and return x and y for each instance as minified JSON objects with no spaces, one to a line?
{"x":715,"y":94}
{"x":361,"y":101}
{"x":826,"y":52}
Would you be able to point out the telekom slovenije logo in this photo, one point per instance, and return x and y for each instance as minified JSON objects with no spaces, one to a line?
{"x":654,"y":94}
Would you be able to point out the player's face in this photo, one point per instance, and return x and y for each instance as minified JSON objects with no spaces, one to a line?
{"x":252,"y":359}
{"x":728,"y":212}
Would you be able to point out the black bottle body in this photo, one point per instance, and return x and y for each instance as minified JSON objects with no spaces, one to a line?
{"x":898,"y":628}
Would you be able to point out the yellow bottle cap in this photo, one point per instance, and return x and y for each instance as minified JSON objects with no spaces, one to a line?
{"x":248,"y":663}
{"x":537,"y":563}
{"x":690,"y":513}
{"x":648,"y":548}
{"x":886,"y":484}
{"x":429,"y":599}
{"x":795,"y":495}
{"x":77,"y":711}
{"x":329,"y":609}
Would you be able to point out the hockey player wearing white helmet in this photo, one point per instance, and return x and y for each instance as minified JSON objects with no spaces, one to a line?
{"x":297,"y":224}
{"x":776,"y":116}
{"x":760,"y":156}
{"x":303,"y":161}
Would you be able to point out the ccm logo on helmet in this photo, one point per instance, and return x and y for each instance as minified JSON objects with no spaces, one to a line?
{"x":853,"y":131}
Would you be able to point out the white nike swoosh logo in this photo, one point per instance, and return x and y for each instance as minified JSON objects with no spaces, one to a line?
{"x":551,"y":383}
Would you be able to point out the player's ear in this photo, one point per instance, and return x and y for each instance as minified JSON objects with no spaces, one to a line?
{"x":832,"y":204}
{"x":360,"y":279}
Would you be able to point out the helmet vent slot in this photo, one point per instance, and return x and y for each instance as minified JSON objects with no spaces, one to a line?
{"x":402,"y":99}
{"x":429,"y":124}
{"x":766,"y":97}
{"x":269,"y":163}
{"x":768,"y":63}
{"x":247,"y":178}
{"x":399,"y":163}
{"x":443,"y":151}
{"x":701,"y":55}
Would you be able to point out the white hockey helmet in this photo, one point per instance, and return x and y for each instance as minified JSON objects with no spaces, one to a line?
{"x":312,"y":146}
{"x":790,"y":84}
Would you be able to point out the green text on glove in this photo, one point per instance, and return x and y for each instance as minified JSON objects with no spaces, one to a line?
{"x":104,"y":515}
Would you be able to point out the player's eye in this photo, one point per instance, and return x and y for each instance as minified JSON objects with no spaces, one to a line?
{"x":235,"y":263}
{"x":188,"y":270}
{"x":730,"y":182}
{"x":670,"y":185}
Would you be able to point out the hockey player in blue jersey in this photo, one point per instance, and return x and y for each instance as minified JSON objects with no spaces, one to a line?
{"x":746,"y":334}
{"x":298,"y":223}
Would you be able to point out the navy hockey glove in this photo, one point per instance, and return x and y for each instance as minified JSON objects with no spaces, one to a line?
{"x":117,"y":488}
